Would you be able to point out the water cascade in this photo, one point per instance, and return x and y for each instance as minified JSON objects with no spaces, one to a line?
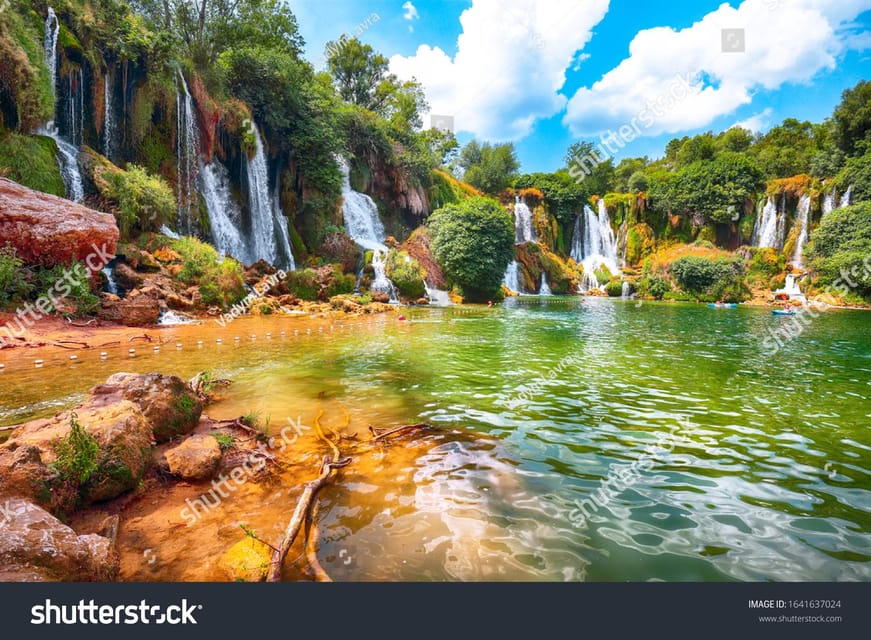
{"x":594,"y":245}
{"x":268,"y":240}
{"x":765,"y":231}
{"x":437,"y":297}
{"x":512,"y":277}
{"x":224,"y":214}
{"x":108,"y":118}
{"x":626,"y":291}
{"x":363,"y":225}
{"x":846,"y":198}
{"x":545,"y":287}
{"x":73,"y":123}
{"x":187,"y":153}
{"x":111,"y":285}
{"x":523,"y":228}
{"x":803,"y":219}
{"x":68,"y":154}
{"x":829,"y":203}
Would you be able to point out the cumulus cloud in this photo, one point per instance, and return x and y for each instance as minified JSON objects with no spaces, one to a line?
{"x":757,"y":122}
{"x":509,"y":67}
{"x":784,"y":41}
{"x":410,"y":11}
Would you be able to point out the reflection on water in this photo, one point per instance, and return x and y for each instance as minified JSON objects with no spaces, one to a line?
{"x":538,"y":404}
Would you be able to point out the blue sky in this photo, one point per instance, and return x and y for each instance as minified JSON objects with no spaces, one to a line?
{"x":546,"y":73}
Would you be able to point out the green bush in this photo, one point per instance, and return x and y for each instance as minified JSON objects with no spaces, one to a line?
{"x":145,"y":202}
{"x":698,"y":275}
{"x":614,"y":288}
{"x":198,"y":258}
{"x":76,"y":454}
{"x":473,"y":241}
{"x":654,"y":287}
{"x":406,"y":273}
{"x":76,"y":277}
{"x":304,"y":284}
{"x":840,"y":249}
{"x":221,"y":280}
{"x":13,"y":281}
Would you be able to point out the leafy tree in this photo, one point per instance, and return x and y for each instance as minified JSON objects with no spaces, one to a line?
{"x":626,"y":168}
{"x":857,"y":174}
{"x":840,"y":247}
{"x":699,"y":275}
{"x":587,"y":164}
{"x":473,"y":241}
{"x":697,"y":149}
{"x":717,"y":189}
{"x":786,"y":150}
{"x":357,"y":71}
{"x":490,"y":168}
{"x":564,"y":196}
{"x":852,"y":119}
{"x":735,"y":139}
{"x":638,"y":182}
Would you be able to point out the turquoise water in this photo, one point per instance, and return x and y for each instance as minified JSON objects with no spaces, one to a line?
{"x":710,"y":459}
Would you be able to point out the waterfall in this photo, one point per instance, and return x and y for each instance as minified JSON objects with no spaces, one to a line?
{"x":73,"y":122}
{"x":225,"y":216}
{"x":269,"y":239}
{"x":52,"y":28}
{"x":364,"y":226}
{"x":188,"y":154}
{"x":512,"y":277}
{"x":625,"y":291}
{"x":594,"y":245}
{"x":846,"y":198}
{"x":108,"y":118}
{"x":781,"y":223}
{"x":765,"y":231}
{"x":544,"y":290}
{"x":523,"y":228}
{"x":802,"y":218}
{"x":111,"y":285}
{"x":67,"y":158}
{"x":437,"y":297}
{"x":829,"y":202}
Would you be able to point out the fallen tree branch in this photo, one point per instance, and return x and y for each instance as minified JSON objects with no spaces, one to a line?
{"x":311,"y":544}
{"x":380,"y":434}
{"x":63,"y":344}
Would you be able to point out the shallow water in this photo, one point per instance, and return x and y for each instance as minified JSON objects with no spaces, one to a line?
{"x":709,"y":460}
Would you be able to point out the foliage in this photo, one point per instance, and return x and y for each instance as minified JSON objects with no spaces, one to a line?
{"x":614,"y":288}
{"x":699,"y":275}
{"x":473,"y":241}
{"x":840,"y":248}
{"x":406,"y":273}
{"x":13,"y":282}
{"x":145,"y":202}
{"x":857,"y":174}
{"x":852,"y":119}
{"x":338,"y":248}
{"x":563,"y":195}
{"x":25,"y":93}
{"x":31,"y":161}
{"x":653,"y":286}
{"x":221,"y":280}
{"x":586,"y":165}
{"x":489,"y":168}
{"x":225,"y":441}
{"x":76,"y":454}
{"x":76,"y":277}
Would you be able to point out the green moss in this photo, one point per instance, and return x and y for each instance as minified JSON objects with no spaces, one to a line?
{"x":25,"y":84}
{"x":640,"y":243}
{"x":68,"y":41}
{"x":707,"y":233}
{"x":31,"y":161}
{"x":745,"y":228}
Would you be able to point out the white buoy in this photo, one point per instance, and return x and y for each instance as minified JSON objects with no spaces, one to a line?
{"x":178,"y":345}
{"x":104,"y":355}
{"x":218,"y":341}
{"x":74,"y":357}
{"x":132,"y":352}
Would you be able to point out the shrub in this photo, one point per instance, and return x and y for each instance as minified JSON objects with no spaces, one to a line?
{"x":304,"y":284}
{"x":13,"y":279}
{"x":221,"y":280}
{"x":841,"y":245}
{"x":31,"y":161}
{"x":473,"y":241}
{"x":76,"y":454}
{"x":198,"y":258}
{"x":339,"y":248}
{"x":80,"y":300}
{"x":406,"y":273}
{"x":654,"y":287}
{"x":614,"y":288}
{"x":144,"y":201}
{"x":699,"y":275}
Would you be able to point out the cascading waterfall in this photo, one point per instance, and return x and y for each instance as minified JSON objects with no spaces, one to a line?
{"x":512,"y":276}
{"x":364,"y":226}
{"x":594,"y":245}
{"x":846,"y":198}
{"x":523,"y":227}
{"x":187,"y":153}
{"x":73,"y":122}
{"x":829,"y":202}
{"x":269,"y":238}
{"x":544,"y":290}
{"x":765,"y":231}
{"x":67,"y":158}
{"x":802,"y":218}
{"x":437,"y":297}
{"x":626,"y":291}
{"x":781,"y":223}
{"x":108,"y":118}
{"x":225,"y":216}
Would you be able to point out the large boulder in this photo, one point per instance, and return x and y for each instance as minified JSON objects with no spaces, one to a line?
{"x":136,"y":310}
{"x":197,"y":458}
{"x":36,"y":546}
{"x":46,"y":230}
{"x":168,"y":404}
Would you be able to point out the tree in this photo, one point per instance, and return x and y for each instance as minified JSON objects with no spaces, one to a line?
{"x":473,"y":241}
{"x":586,"y":163}
{"x":489,"y":168}
{"x":786,"y":150}
{"x":735,"y":139}
{"x":357,"y":71}
{"x":840,"y":247}
{"x":626,"y":168}
{"x":853,"y":119}
{"x":564,"y":196}
{"x":696,"y":149}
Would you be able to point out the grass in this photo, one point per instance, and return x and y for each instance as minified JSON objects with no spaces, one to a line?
{"x":31,"y":161}
{"x":225,"y":441}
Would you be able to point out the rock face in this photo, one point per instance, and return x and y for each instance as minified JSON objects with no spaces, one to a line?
{"x":197,"y":458}
{"x":36,"y":546}
{"x":136,"y":310}
{"x":46,"y":230}
{"x":170,"y":407}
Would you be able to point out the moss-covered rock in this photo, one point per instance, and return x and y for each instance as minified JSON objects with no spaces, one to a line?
{"x":534,"y":259}
{"x":640,"y":243}
{"x":31,"y":161}
{"x":246,"y":561}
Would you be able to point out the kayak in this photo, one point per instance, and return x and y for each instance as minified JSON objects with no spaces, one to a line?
{"x":782,"y":312}
{"x":723,"y":305}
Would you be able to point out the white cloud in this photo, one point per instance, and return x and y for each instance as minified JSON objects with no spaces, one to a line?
{"x":410,"y":11}
{"x":757,"y":122}
{"x":509,"y":67}
{"x":785,"y":41}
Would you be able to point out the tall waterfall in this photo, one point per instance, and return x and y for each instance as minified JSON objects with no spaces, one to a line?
{"x":523,"y":228}
{"x":225,"y":216}
{"x":512,"y":276}
{"x":364,"y":226}
{"x":846,"y":198}
{"x":269,"y":239}
{"x":765,"y":231}
{"x":67,"y":158}
{"x":187,"y":153}
{"x":802,"y":218}
{"x":544,"y":290}
{"x":594,"y":245}
{"x":108,"y":118}
{"x":73,"y":121}
{"x":829,"y":202}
